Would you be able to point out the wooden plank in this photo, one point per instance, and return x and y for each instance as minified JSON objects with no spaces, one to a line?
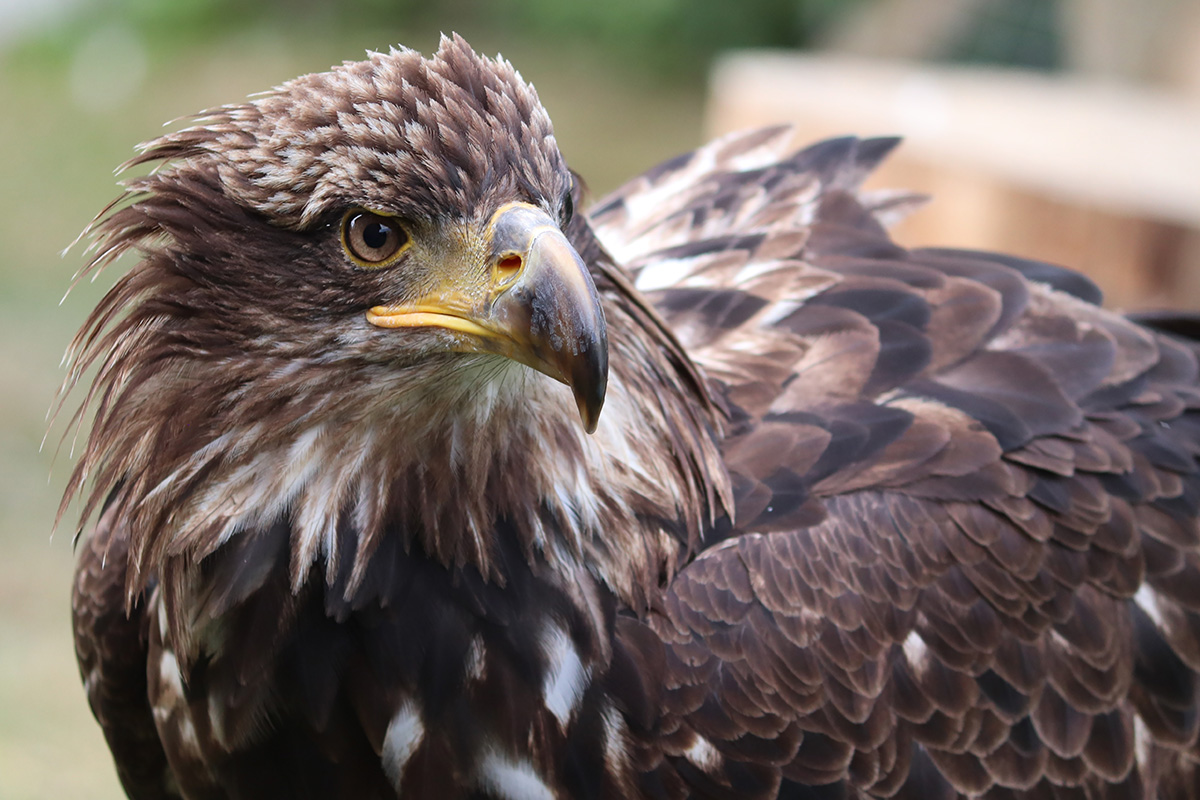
{"x":1123,"y":150}
{"x":1103,"y":179}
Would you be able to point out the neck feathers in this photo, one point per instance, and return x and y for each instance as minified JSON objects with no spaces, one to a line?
{"x":439,"y":454}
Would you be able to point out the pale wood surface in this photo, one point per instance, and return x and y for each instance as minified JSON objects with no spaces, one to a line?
{"x":1116,"y":147}
{"x":1102,"y":177}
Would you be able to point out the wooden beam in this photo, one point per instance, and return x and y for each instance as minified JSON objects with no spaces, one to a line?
{"x":1122,"y":149}
{"x":1099,"y":177}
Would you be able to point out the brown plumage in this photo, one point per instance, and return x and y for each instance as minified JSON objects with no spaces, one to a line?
{"x":854,"y":521}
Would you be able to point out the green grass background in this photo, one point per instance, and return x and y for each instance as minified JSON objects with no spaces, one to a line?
{"x":57,"y":154}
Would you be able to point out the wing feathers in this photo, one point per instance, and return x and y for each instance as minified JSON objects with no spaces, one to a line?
{"x":963,"y":557}
{"x":112,"y":648}
{"x":952,"y":471}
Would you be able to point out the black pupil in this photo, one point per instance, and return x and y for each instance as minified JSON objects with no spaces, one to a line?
{"x":375,"y":235}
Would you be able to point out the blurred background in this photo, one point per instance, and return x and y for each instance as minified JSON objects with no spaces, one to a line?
{"x":1062,"y":129}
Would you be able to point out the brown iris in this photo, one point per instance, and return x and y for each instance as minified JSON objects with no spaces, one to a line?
{"x":371,"y":239}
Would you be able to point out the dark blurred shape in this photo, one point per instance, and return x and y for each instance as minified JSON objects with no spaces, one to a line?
{"x":1185,"y":325}
{"x":1012,"y":33}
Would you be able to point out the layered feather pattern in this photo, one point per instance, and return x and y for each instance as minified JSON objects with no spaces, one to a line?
{"x":954,"y":475}
{"x":858,"y":521}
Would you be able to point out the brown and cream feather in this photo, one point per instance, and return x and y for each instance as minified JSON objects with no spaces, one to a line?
{"x":856,"y":521}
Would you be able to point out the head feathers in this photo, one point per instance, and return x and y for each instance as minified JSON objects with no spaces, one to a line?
{"x":413,"y":136}
{"x":239,"y":382}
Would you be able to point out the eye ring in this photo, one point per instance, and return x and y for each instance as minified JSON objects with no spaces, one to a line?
{"x":373,"y":240}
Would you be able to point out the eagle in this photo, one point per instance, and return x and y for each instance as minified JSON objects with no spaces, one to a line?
{"x":404,"y":479}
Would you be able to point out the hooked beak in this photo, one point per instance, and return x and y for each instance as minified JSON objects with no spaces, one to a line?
{"x":538,"y":306}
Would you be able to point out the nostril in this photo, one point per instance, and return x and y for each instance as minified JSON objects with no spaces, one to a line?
{"x":508,"y":266}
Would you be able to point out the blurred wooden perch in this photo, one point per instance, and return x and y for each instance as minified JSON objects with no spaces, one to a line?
{"x":1095,"y":175}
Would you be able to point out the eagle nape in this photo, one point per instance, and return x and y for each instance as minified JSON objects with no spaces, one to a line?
{"x":843,"y":519}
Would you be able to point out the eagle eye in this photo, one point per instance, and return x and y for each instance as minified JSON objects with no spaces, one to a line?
{"x":568,"y":207}
{"x":373,"y":240}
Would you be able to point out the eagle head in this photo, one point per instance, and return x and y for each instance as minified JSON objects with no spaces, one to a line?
{"x":357,"y":299}
{"x":429,"y":191}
